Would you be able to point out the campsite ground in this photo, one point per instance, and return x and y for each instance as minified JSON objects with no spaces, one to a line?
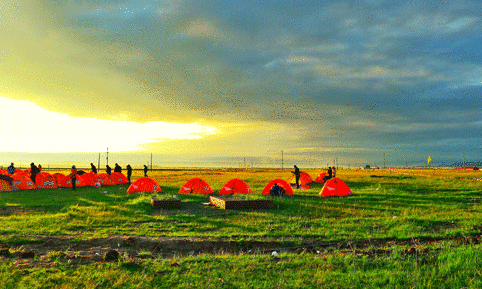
{"x":401,"y":228}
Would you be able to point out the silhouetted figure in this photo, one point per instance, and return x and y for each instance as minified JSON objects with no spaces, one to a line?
{"x":11,"y":169}
{"x":73,"y":177}
{"x":93,"y":168}
{"x":33,"y":172}
{"x":333,"y":171}
{"x":129,"y":172}
{"x":117,"y":169}
{"x":39,"y":168}
{"x":275,"y":190}
{"x":108,"y":170}
{"x":329,"y":176}
{"x":145,"y":171}
{"x":297,"y":173}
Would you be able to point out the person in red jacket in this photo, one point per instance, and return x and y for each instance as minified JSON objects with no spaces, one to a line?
{"x":73,"y":177}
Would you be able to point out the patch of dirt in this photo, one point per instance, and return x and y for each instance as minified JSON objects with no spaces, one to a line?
{"x":7,"y":211}
{"x":49,"y":250}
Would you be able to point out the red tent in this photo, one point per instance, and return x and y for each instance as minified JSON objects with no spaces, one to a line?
{"x":105,"y":179}
{"x":86,"y":179}
{"x":335,"y":187}
{"x":5,"y":186}
{"x":196,"y":186}
{"x":303,"y":183}
{"x":23,"y":172}
{"x":281,"y":183}
{"x":46,"y":181}
{"x":62,"y":180}
{"x":23,"y":182}
{"x":235,"y":186}
{"x":119,"y":178}
{"x":79,"y":182}
{"x":305,"y":177}
{"x":93,"y":177}
{"x":144,"y":184}
{"x":319,"y":179}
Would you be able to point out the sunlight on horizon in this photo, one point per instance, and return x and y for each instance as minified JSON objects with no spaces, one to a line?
{"x":26,"y":127}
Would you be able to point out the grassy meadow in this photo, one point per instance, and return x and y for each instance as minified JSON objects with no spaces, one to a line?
{"x":400,"y":229}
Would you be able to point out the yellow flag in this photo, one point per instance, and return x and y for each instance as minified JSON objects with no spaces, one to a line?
{"x":429,"y":160}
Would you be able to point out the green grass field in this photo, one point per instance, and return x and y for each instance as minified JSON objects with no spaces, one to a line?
{"x":399,"y":229}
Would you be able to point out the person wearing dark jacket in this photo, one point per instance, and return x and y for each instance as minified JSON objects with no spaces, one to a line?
{"x":129,"y":172}
{"x":33,"y":172}
{"x":108,"y":170}
{"x":297,"y":174}
{"x":145,"y":171}
{"x":329,"y":176}
{"x":275,"y":190}
{"x":11,"y":169}
{"x":93,"y":168}
{"x":117,"y":169}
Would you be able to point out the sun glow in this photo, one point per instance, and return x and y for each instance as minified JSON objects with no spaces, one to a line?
{"x":26,"y":127}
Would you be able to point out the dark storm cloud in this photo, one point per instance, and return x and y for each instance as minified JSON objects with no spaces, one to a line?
{"x":368,"y":75}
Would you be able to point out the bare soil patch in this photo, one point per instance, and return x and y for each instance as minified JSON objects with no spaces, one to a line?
{"x":49,"y":250}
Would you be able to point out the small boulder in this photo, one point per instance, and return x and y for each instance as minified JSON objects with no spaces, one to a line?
{"x":112,"y":255}
{"x":27,"y":254}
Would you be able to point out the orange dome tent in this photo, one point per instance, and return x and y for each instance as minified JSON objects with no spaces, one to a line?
{"x":62,"y":180}
{"x":119,"y":178}
{"x":281,"y":183}
{"x":5,"y":186}
{"x":335,"y":188}
{"x":79,"y":182}
{"x":46,"y":181}
{"x":196,"y":186}
{"x":86,"y":179}
{"x":23,"y":182}
{"x":303,"y":176}
{"x":235,"y":186}
{"x":305,"y":179}
{"x":23,"y":172}
{"x":105,"y":179}
{"x":5,"y":181}
{"x":144,"y":184}
{"x":319,"y":179}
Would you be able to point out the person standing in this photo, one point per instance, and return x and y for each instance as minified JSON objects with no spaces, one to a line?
{"x":145,"y":171}
{"x":117,"y":169}
{"x":11,"y":169}
{"x":329,"y":176}
{"x":108,"y":170}
{"x":33,"y":172}
{"x":73,"y":177}
{"x":93,"y":168}
{"x":297,"y":174}
{"x":129,"y":172}
{"x":334,"y":171}
{"x":39,"y":168}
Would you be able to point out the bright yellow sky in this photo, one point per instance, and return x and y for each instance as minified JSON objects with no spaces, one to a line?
{"x":34,"y":129}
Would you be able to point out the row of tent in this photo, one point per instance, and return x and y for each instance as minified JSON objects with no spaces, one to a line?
{"x":21,"y":180}
{"x":332,"y":187}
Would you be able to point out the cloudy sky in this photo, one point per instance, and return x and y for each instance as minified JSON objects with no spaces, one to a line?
{"x":210,"y":82}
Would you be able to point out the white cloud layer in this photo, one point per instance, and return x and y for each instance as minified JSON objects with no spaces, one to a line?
{"x":26,"y":127}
